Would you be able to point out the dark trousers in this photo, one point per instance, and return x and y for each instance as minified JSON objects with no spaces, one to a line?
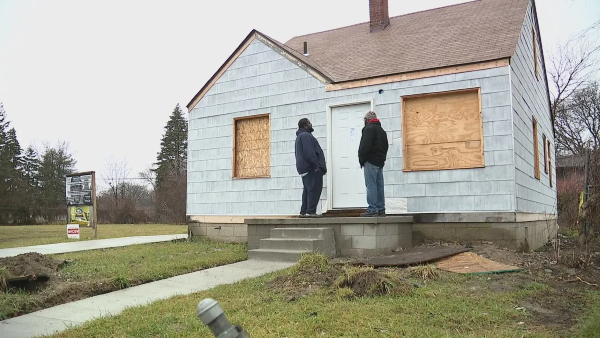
{"x":313,"y":186}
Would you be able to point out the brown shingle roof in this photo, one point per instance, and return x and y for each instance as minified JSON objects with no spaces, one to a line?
{"x":476,"y":31}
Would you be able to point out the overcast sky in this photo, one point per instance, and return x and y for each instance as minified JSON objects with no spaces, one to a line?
{"x":104,"y":76}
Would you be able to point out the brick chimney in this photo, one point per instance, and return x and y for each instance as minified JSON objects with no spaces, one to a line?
{"x":380,"y":18}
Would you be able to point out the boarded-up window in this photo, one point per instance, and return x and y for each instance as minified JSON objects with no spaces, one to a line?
{"x":550,"y":163}
{"x":536,"y":153}
{"x":535,"y":57}
{"x":545,"y":153}
{"x":252,"y":147}
{"x":442,"y":131}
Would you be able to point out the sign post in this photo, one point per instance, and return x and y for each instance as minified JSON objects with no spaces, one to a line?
{"x":81,"y":201}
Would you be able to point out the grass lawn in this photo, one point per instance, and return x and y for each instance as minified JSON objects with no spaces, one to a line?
{"x":27,"y":235}
{"x":94,"y":272}
{"x":590,"y":325}
{"x":450,"y":306}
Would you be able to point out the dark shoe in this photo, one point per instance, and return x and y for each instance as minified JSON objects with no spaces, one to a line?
{"x":313,"y":216}
{"x":302,"y":216}
{"x":382,"y":214}
{"x":369,"y":214}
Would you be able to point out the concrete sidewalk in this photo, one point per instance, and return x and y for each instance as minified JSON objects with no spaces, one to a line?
{"x":61,"y":317}
{"x":56,"y":248}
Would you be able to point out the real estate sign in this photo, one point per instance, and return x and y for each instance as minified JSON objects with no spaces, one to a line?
{"x":73,"y":231}
{"x":81,"y":200}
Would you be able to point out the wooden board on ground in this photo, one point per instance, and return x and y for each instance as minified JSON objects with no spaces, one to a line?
{"x":411,"y":256}
{"x":469,"y":262}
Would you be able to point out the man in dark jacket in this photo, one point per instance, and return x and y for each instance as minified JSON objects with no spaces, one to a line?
{"x":372,"y":153}
{"x":310,"y":163}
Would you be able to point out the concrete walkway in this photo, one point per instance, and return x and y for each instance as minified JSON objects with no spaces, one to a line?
{"x":61,"y":317}
{"x":49,"y":249}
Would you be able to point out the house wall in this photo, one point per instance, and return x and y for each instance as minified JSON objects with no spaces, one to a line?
{"x":262,"y":81}
{"x":529,"y":98}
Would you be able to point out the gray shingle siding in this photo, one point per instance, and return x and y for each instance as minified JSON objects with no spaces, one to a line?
{"x":262,"y":81}
{"x":529,"y":99}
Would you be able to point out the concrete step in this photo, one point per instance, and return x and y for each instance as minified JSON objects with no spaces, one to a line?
{"x":304,"y":233}
{"x":291,"y":243}
{"x":275,"y":255}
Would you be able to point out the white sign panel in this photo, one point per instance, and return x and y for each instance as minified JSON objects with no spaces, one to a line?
{"x":73,"y":231}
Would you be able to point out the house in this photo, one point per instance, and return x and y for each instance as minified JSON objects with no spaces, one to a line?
{"x":569,"y":166}
{"x":461,"y":91}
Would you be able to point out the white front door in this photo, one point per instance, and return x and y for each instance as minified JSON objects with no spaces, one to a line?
{"x":347,"y":176}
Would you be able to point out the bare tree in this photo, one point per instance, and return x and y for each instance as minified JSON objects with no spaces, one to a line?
{"x":149,"y":176}
{"x":572,"y":67}
{"x":115,"y":175}
{"x":578,"y":120}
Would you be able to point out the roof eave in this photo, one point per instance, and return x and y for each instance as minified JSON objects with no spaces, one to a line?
{"x":221,"y":69}
{"x":273,"y":44}
{"x":419,"y":74}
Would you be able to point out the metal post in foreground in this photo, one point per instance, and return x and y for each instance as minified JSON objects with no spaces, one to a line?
{"x":210,"y":313}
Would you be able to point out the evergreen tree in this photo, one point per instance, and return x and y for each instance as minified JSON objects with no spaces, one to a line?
{"x":12,"y":151}
{"x":171,"y":169}
{"x":172,"y":158}
{"x":4,"y":125}
{"x":31,"y":170}
{"x":10,"y":169}
{"x":31,"y":167}
{"x":55,"y":164}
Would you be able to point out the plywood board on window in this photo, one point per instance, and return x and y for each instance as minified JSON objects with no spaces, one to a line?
{"x":536,"y":151}
{"x":454,"y":155}
{"x":549,"y":163}
{"x":442,"y":131}
{"x":545,"y":153}
{"x":252,"y":147}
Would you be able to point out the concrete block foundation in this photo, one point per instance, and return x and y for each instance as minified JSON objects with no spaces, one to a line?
{"x":517,"y":231}
{"x":220,"y":232}
{"x":353,"y":236}
{"x":356,"y":236}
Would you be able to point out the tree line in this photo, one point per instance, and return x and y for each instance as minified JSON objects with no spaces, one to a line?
{"x":574,"y":81}
{"x":32,"y":182}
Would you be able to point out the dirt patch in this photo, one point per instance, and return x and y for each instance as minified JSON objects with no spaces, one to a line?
{"x":30,"y":264}
{"x":315,"y":272}
{"x":305,"y":279}
{"x":55,"y":291}
{"x":567,"y":270}
{"x":370,"y":282}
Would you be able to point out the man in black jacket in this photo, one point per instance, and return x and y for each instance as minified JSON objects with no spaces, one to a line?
{"x":372,"y":153}
{"x":310,"y":163}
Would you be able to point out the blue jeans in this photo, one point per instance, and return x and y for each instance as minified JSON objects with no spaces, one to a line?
{"x":375,"y":192}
